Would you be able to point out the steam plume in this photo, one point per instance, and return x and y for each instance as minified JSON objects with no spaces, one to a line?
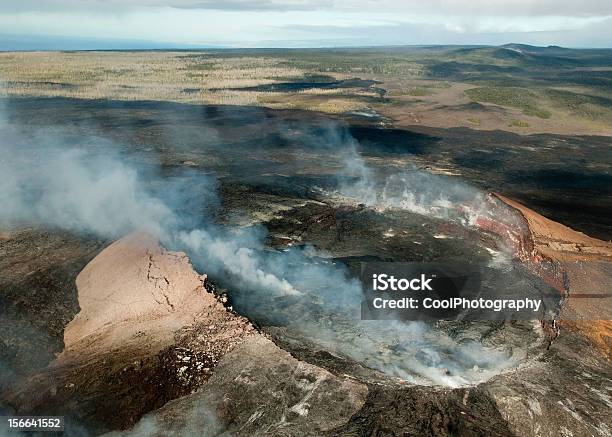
{"x":98,"y":191}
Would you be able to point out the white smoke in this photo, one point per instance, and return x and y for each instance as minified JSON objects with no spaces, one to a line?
{"x":230,"y":255}
{"x":327,"y":313}
{"x":88,"y":189}
{"x":195,"y":416}
{"x":75,"y":190}
{"x":322,"y":306}
{"x":409,"y":189}
{"x":47,"y":183}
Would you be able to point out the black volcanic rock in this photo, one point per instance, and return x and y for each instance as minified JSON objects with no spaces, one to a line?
{"x":38,"y":296}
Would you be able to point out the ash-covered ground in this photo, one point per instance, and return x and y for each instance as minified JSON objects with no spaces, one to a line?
{"x":278,"y":208}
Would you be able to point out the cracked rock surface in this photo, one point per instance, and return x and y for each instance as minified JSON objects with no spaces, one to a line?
{"x":134,"y":362}
{"x":259,"y":389}
{"x":134,"y":287}
{"x":152,"y":352}
{"x":130,"y":348}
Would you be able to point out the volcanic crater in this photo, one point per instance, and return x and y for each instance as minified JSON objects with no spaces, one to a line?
{"x":155,"y":338}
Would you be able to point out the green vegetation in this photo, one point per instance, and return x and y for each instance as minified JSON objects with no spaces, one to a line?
{"x":533,"y":111}
{"x":575,"y":84}
{"x":518,"y":123}
{"x":514,"y":97}
{"x":587,"y":106}
{"x":417,"y":92}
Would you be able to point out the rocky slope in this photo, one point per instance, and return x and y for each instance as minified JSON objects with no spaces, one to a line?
{"x":152,"y":352}
{"x":38,"y":296}
{"x":587,"y":266}
{"x":127,"y":350}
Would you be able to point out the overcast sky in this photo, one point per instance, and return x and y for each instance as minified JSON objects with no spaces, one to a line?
{"x":303,"y":23}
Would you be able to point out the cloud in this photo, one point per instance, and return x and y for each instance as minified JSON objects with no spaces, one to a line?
{"x":119,"y":6}
{"x":587,"y":8}
{"x":512,"y":8}
{"x":253,"y":5}
{"x":310,"y":23}
{"x":569,"y":33}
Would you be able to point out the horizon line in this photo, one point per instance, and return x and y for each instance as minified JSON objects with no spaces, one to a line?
{"x":204,"y":47}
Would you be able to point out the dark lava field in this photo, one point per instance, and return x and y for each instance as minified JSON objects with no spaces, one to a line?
{"x":321,"y":194}
{"x":565,"y":178}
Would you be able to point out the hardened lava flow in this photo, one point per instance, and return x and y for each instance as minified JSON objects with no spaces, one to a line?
{"x":125,"y":335}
